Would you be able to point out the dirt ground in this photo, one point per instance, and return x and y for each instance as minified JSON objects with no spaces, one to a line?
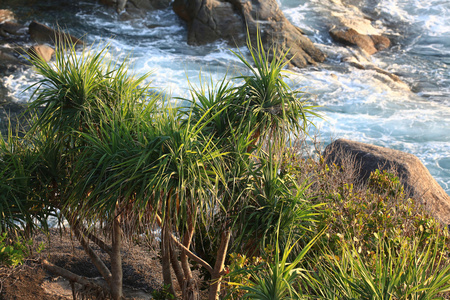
{"x":141,"y":271}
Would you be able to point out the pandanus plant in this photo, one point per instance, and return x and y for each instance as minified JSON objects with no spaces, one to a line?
{"x":253,"y":121}
{"x":110,"y":153}
{"x":77,"y":95}
{"x":128,"y":160}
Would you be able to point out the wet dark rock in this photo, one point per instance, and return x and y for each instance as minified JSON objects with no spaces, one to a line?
{"x":369,"y":43}
{"x":210,"y":20}
{"x":147,"y":5}
{"x":415,"y":177}
{"x":11,"y":115}
{"x":41,"y":33}
{"x":11,"y":28}
{"x":7,"y":58}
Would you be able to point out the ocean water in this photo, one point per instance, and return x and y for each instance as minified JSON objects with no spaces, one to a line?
{"x":362,"y":105}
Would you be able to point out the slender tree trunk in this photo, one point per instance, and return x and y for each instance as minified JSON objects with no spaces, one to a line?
{"x":98,"y":263}
{"x":187,"y":243}
{"x":218,"y":267}
{"x":99,"y":242}
{"x":72,"y":277}
{"x":189,"y":253}
{"x":176,"y":264}
{"x":116,"y":260}
{"x":190,"y":286}
{"x":165,"y":248}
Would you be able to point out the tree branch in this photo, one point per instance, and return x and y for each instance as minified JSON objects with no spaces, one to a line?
{"x":101,"y":267}
{"x":105,"y":247}
{"x":191,"y":255}
{"x":72,"y":276}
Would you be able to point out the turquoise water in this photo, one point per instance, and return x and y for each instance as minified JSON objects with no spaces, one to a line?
{"x":358,"y":104}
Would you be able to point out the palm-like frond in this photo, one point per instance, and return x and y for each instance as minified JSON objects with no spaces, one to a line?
{"x":266,"y":101}
{"x":393,"y":272}
{"x":21,"y":202}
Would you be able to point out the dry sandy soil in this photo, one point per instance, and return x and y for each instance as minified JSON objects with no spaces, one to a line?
{"x":141,"y":271}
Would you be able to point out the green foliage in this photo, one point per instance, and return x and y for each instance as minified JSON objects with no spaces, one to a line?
{"x":278,"y":208}
{"x":275,"y":277}
{"x":268,"y":105}
{"x":405,"y":271}
{"x":21,"y":182}
{"x":101,"y":144}
{"x":236,"y":277}
{"x":14,"y":251}
{"x":163,"y":293}
{"x":251,"y":122}
{"x":76,"y":89}
{"x":358,"y":215}
{"x":385,"y":183}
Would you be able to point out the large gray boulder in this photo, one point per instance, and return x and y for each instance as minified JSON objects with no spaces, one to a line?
{"x":415,"y":177}
{"x":210,"y":20}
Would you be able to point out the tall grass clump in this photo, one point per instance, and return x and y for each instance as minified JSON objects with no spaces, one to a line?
{"x":378,"y":240}
{"x":406,"y":271}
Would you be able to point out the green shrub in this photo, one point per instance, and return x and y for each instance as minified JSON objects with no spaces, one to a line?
{"x":237,"y":275}
{"x":163,"y":293}
{"x":276,"y":277}
{"x":13,"y":252}
{"x":381,"y":209}
{"x":394,"y":271}
{"x":372,"y":228}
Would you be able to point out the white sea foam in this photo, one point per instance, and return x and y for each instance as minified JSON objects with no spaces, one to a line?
{"x":358,"y":104}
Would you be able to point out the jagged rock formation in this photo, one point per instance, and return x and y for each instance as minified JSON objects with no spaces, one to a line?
{"x":369,"y":43}
{"x":415,"y":177}
{"x":209,"y":20}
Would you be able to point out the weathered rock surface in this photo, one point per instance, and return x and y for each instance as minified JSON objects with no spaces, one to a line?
{"x":369,"y":43}
{"x":132,"y":8}
{"x":356,"y":22}
{"x":11,"y":28}
{"x":6,"y":15}
{"x":11,"y":114}
{"x":43,"y":51}
{"x":384,"y":76}
{"x":415,"y":177}
{"x":7,"y":58}
{"x":41,"y":33}
{"x":210,"y":20}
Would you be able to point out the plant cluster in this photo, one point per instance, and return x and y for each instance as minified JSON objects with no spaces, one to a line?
{"x":108,"y":155}
{"x":219,"y":175}
{"x":13,"y":253}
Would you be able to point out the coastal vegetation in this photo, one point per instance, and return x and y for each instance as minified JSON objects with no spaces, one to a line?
{"x":223,"y":181}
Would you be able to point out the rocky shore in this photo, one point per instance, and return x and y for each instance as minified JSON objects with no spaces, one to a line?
{"x":349,"y":23}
